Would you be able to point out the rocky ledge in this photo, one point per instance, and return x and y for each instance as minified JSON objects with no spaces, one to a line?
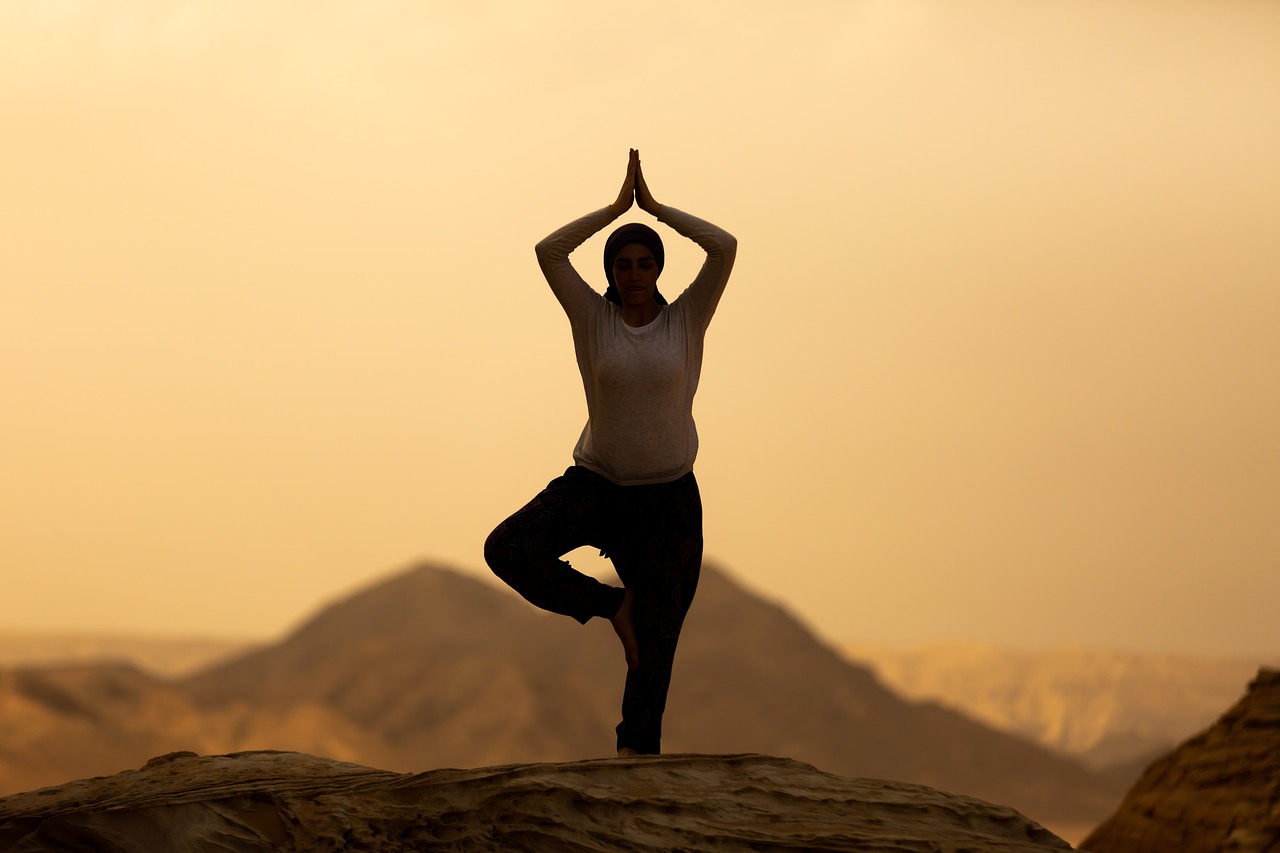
{"x":284,"y":801}
{"x":1217,"y":793}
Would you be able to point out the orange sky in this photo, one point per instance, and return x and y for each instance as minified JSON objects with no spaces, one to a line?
{"x":998,"y":360}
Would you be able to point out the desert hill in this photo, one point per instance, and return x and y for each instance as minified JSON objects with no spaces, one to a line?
{"x":449,"y":670}
{"x":452,"y":671}
{"x":272,"y":801}
{"x":1109,"y":708}
{"x":1218,"y":791}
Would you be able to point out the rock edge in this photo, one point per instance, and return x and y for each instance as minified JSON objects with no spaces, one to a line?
{"x":283,"y":801}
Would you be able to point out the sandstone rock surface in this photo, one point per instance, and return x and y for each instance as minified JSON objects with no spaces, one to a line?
{"x":1217,"y":792}
{"x":280,"y":801}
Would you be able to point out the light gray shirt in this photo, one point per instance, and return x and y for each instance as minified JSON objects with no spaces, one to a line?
{"x":639,"y":381}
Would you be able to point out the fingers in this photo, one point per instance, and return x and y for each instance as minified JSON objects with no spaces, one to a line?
{"x":644,"y":198}
{"x":633,"y":166}
{"x":633,"y":187}
{"x":626,"y":196}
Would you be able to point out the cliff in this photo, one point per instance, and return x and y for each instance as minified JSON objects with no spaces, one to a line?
{"x":1218,"y":791}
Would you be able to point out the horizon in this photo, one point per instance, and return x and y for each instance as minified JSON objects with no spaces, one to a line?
{"x":1266,"y":658}
{"x":997,"y":360}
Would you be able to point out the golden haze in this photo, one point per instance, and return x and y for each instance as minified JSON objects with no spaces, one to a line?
{"x":998,"y":360}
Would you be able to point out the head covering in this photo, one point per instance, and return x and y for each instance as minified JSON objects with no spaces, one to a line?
{"x":632,"y":232}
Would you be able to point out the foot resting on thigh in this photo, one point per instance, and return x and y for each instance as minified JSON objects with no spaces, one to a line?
{"x":627,"y":752}
{"x":624,"y":627}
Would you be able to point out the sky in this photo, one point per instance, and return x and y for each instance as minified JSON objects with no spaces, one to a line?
{"x":998,"y":359}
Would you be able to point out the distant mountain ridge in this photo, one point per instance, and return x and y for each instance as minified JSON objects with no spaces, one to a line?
{"x":1107,"y":707}
{"x":1113,"y":710}
{"x":160,"y":655}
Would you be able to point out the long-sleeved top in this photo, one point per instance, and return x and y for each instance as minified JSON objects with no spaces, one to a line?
{"x":639,"y":380}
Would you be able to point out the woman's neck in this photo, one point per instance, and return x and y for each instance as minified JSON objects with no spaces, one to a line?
{"x":640,"y":315}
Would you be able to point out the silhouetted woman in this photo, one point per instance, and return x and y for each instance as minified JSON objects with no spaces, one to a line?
{"x":631,"y":492}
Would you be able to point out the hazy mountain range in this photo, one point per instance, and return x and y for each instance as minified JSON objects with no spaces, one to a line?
{"x":432,"y":668}
{"x":159,"y":655}
{"x":1109,"y":708}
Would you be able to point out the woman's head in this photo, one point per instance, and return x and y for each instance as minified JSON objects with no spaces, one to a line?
{"x":633,"y":259}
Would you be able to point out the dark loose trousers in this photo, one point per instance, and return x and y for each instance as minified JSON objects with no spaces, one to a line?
{"x":653,"y":535}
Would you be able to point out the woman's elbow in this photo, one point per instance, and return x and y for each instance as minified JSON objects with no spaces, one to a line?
{"x":728,"y":246}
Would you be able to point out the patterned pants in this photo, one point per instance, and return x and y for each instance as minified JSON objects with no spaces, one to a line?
{"x":653,"y":535}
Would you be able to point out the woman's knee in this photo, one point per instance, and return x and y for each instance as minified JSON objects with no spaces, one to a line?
{"x":499,"y":551}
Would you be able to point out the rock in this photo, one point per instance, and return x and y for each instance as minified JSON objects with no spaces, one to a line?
{"x":282,"y":801}
{"x":1217,"y":792}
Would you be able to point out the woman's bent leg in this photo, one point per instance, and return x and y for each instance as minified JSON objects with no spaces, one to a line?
{"x":661,"y":566}
{"x":525,"y":550}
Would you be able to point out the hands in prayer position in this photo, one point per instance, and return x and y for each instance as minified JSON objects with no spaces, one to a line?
{"x":634,"y":189}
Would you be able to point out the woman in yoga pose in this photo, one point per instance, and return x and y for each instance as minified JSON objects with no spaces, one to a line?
{"x":631,"y":491}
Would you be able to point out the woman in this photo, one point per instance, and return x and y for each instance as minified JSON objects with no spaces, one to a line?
{"x":631,"y":492}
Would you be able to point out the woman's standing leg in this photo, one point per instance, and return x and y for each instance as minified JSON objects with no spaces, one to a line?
{"x":525,"y":550}
{"x":660,"y":563}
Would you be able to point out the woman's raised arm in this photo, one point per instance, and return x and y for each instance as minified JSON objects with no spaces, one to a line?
{"x":721,"y":247}
{"x":553,"y":250}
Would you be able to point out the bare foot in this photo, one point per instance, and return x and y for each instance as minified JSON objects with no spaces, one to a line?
{"x":627,"y":752}
{"x":625,"y":628}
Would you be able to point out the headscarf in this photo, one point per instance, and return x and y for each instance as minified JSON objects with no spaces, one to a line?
{"x":632,"y":232}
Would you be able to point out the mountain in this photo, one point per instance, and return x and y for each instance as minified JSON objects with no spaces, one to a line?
{"x":448,"y":670}
{"x":1218,"y":791}
{"x":452,"y":671}
{"x":1114,"y":710}
{"x":279,"y":801}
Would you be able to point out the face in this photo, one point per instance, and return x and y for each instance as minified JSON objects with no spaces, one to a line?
{"x":635,"y":272}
